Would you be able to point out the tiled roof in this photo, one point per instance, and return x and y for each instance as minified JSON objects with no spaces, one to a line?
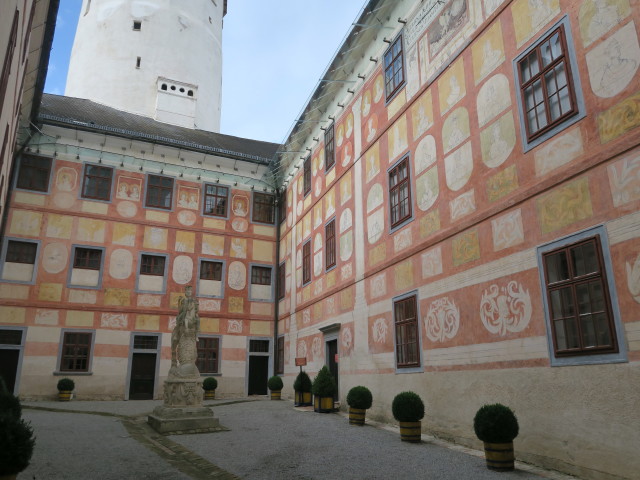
{"x":91,"y":116}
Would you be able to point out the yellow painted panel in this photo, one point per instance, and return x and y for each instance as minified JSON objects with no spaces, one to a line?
{"x":262,"y":230}
{"x":212,"y":245}
{"x":15,"y":292}
{"x":307,"y":202}
{"x":124,"y":234}
{"x":257,"y":327}
{"x":619,"y":119}
{"x":50,"y":292}
{"x":155,"y":238}
{"x":59,"y":226}
{"x":27,"y":223}
{"x":260,"y":308}
{"x":79,"y":318}
{"x":154,"y":216}
{"x":214,"y":223}
{"x":117,"y":296}
{"x":378,"y":254}
{"x":565,"y":205}
{"x":174,"y":298}
{"x":90,"y":230}
{"x":210,"y":325}
{"x":236,"y":305}
{"x":330,"y":177}
{"x":95,"y":207}
{"x":397,"y":103}
{"x":466,"y":248}
{"x":148,"y":322}
{"x":30,"y":198}
{"x":263,"y":251}
{"x":15,"y":315}
{"x":404,"y":275}
{"x":185,"y":241}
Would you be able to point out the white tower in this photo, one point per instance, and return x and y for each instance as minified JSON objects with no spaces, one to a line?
{"x":158,"y":58}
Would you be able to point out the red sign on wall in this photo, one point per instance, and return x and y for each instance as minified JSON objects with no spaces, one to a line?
{"x":336,"y":358}
{"x":301,"y":361}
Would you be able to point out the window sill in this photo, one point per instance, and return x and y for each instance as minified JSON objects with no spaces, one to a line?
{"x":58,"y":373}
{"x":401,"y":370}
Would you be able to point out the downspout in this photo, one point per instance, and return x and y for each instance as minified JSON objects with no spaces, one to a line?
{"x":276,"y":276}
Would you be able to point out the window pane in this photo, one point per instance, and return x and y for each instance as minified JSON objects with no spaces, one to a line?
{"x":557,"y":267}
{"x":547,"y":56}
{"x":561,"y":338}
{"x":603,"y":331}
{"x":588,"y":332}
{"x":584,"y":259}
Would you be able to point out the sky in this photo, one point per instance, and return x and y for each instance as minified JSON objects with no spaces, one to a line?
{"x":274,"y":53}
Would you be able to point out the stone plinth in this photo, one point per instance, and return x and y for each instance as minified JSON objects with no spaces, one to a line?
{"x":175,"y":420}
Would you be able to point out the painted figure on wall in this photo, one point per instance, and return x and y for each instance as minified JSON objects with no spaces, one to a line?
{"x":184,"y":337}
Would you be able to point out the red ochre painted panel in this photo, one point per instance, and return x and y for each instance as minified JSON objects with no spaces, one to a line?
{"x":42,"y":349}
{"x":238,"y":354}
{"x":105,"y":350}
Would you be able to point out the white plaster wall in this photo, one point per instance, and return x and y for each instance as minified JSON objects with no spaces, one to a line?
{"x":151,"y":283}
{"x":179,"y":40}
{"x":85,"y":277}
{"x":210,"y":287}
{"x":21,"y":272}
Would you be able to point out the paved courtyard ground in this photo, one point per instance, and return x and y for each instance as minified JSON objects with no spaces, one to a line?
{"x":265,"y":440}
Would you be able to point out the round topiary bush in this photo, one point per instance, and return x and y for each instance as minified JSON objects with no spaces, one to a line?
{"x":210,"y":383}
{"x":495,"y":423}
{"x":66,"y":385}
{"x":324,"y":385}
{"x":10,"y":405}
{"x":275,"y":383}
{"x":407,"y":407}
{"x":16,"y":445}
{"x":302,"y":383}
{"x":360,"y":397}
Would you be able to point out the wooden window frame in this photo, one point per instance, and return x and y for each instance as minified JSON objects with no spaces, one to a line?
{"x":393,"y":85}
{"x":306,"y":262}
{"x":396,"y":186}
{"x":261,"y":275}
{"x":571,"y":283}
{"x":210,"y":273}
{"x":85,"y":258}
{"x":8,"y":58}
{"x":27,"y":173}
{"x":329,"y":147}
{"x":282,"y":280}
{"x":279,"y":368}
{"x":306,"y":177}
{"x":19,"y":255}
{"x":149,"y":263}
{"x":75,"y":356}
{"x":404,"y":326}
{"x":156,"y":191}
{"x":330,"y":244}
{"x":210,"y":365}
{"x":211,"y":206}
{"x":92,"y":192}
{"x":263,"y":208}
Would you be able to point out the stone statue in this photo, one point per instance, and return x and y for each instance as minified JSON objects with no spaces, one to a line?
{"x":184,"y":338}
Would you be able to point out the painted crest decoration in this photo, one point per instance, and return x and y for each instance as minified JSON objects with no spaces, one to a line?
{"x":505,"y":309}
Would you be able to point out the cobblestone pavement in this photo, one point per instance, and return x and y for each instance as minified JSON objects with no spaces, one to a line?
{"x":264,"y":440}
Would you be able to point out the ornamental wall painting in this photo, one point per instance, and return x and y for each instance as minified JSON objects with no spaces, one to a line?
{"x":529,"y":16}
{"x":455,"y":129}
{"x":558,"y":151}
{"x":240,"y":205}
{"x":372,"y":162}
{"x":506,"y":308}
{"x":565,"y":205}
{"x":451,"y":86}
{"x":442,"y":320}
{"x":458,"y":167}
{"x":188,"y":197}
{"x":494,"y":97}
{"x":507,"y":230}
{"x":66,"y":179}
{"x":129,"y":188}
{"x":624,"y":179}
{"x":598,"y":17}
{"x":380,"y":333}
{"x":450,"y":21}
{"x":498,"y":140}
{"x":346,"y":339}
{"x":422,"y":114}
{"x":413,"y":72}
{"x":427,"y":189}
{"x":487,"y":52}
{"x":425,"y":154}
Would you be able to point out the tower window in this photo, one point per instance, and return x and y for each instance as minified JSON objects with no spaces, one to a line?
{"x":138,"y":60}
{"x":190,"y":93}
{"x":137,"y":25}
{"x":163,"y":87}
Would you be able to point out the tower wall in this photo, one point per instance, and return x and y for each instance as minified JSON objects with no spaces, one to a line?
{"x":125,"y":52}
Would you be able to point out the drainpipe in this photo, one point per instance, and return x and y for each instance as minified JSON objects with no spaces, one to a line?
{"x":277,"y":289}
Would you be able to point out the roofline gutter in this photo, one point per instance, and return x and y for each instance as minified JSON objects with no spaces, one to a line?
{"x":133,"y":135}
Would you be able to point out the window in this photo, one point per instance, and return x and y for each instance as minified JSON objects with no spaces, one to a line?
{"x":329,"y":148}
{"x":306,"y":262}
{"x":34,"y":173}
{"x":263,"y":208}
{"x":280,"y":355}
{"x":407,"y":335}
{"x":282,"y":205}
{"x":548,"y":86}
{"x":208,"y":354}
{"x":76,"y":351}
{"x":159,"y":192}
{"x":307,"y":176}
{"x":19,"y":260}
{"x":215,"y":200}
{"x":400,"y":193}
{"x":282,"y":278}
{"x":145,"y":342}
{"x":97,"y":182}
{"x":330,"y":244}
{"x":211,"y":271}
{"x":259,"y":346}
{"x":152,"y":265}
{"x":260,"y":275}
{"x":393,"y":68}
{"x":87,"y":258}
{"x":8,"y":59}
{"x":137,"y":25}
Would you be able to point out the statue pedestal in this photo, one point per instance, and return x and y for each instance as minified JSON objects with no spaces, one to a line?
{"x":182,"y":411}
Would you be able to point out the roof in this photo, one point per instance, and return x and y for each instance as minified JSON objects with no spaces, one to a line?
{"x":91,"y":116}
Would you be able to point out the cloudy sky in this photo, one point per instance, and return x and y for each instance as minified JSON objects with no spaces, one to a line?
{"x":274,"y":53}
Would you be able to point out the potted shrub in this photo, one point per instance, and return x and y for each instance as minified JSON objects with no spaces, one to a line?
{"x":302,"y":388}
{"x":209,"y":386}
{"x":65,"y":387}
{"x":408,"y":409}
{"x":323,"y":388}
{"x":496,"y":425}
{"x":275,"y":385}
{"x":16,"y":436}
{"x":359,"y":399}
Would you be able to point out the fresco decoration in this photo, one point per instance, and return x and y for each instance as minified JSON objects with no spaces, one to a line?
{"x":127,"y":209}
{"x":487,"y":52}
{"x":185,"y":241}
{"x":458,"y":167}
{"x":462,"y":205}
{"x":380,"y":330}
{"x":55,"y":257}
{"x":597,"y":17}
{"x":613,"y":63}
{"x":155,"y":238}
{"x":318,"y":265}
{"x":240,"y":205}
{"x":465,"y":248}
{"x":565,"y":205}
{"x":237,"y":275}
{"x":47,"y":317}
{"x":129,"y":188}
{"x":378,"y":285}
{"x":442,"y":320}
{"x":494,"y":97}
{"x":422,"y":114}
{"x":114,"y":320}
{"x":558,"y":151}
{"x":490,"y":6}
{"x":372,"y":162}
{"x":451,"y":86}
{"x":430,"y":223}
{"x":345,"y":188}
{"x":301,"y":349}
{"x":425,"y":154}
{"x":451,"y":19}
{"x":378,"y":254}
{"x":329,"y":204}
{"x":397,"y":138}
{"x":375,"y":226}
{"x":240,"y":224}
{"x":403,"y":275}
{"x":624,"y":179}
{"x":505,"y":309}
{"x":413,"y":72}
{"x":59,"y":226}
{"x":402,"y":240}
{"x":64,"y":200}
{"x":316,"y":348}
{"x":66,"y":179}
{"x":346,"y":245}
{"x":346,"y":340}
{"x":375,"y":197}
{"x":498,"y":140}
{"x":427,"y":189}
{"x":236,"y":305}
{"x":529,"y":16}
{"x":507,"y":230}
{"x":238,"y":248}
{"x":633,"y":278}
{"x":24,"y":222}
{"x":188,"y":197}
{"x":346,"y":220}
{"x":182,"y":269}
{"x":90,"y":230}
{"x":502,"y":183}
{"x":121,"y":264}
{"x":431,"y":261}
{"x":370,"y":128}
{"x":234,"y":326}
{"x":455,"y":129}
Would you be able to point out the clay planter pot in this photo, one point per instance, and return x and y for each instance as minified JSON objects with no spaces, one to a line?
{"x":64,"y":395}
{"x":276,"y":394}
{"x":303,"y":399}
{"x":411,"y":431}
{"x":322,"y":404}
{"x":209,"y":394}
{"x":499,"y":456}
{"x":356,"y":416}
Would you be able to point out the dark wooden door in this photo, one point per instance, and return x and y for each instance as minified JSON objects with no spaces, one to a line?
{"x":143,"y":376}
{"x":258,"y":374}
{"x":332,"y":352}
{"x":9,"y":367}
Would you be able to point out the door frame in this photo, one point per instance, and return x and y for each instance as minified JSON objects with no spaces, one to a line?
{"x":157,"y":351}
{"x":20,"y":348}
{"x":257,"y":354}
{"x":331,"y":333}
